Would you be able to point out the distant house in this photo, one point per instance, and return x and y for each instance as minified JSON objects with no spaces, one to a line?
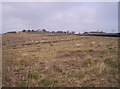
{"x":96,"y":32}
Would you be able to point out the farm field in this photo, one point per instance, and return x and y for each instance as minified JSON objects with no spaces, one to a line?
{"x":59,"y":60}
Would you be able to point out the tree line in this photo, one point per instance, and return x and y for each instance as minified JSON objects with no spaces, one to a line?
{"x":44,"y":30}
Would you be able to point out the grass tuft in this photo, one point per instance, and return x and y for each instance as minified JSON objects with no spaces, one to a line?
{"x":33,"y":75}
{"x":87,"y":63}
{"x":51,"y":44}
{"x":66,"y":55}
{"x":47,"y":82}
{"x":78,"y":50}
{"x":23,"y":62}
{"x":6,"y":78}
{"x":111,"y":62}
{"x":23,"y":84}
{"x":91,"y":50}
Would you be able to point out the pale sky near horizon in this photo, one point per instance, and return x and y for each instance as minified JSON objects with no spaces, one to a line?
{"x":65,"y":16}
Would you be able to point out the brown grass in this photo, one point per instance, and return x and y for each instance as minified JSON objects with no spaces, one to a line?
{"x":59,"y":60}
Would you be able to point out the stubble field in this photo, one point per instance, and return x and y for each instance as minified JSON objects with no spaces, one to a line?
{"x":59,"y":60}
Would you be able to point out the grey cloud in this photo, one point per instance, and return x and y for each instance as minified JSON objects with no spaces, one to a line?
{"x":70,"y":16}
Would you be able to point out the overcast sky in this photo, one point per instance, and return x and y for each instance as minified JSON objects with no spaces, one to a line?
{"x":65,"y":16}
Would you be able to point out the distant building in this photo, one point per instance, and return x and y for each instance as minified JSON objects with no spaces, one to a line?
{"x":93,"y":32}
{"x":96,"y":32}
{"x":102,"y":34}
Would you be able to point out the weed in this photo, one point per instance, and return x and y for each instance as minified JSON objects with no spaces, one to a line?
{"x":78,"y":50}
{"x":91,"y":85}
{"x":23,"y":62}
{"x":18,"y":70}
{"x":92,"y":71}
{"x":57,"y":68}
{"x":111,"y":63}
{"x":6,"y":78}
{"x":102,"y":52}
{"x":110,"y":48}
{"x":91,"y":50}
{"x":101,"y":56}
{"x":38,"y":49}
{"x":47,"y":82}
{"x":79,"y":75}
{"x":67,"y":55}
{"x":23,"y":84}
{"x":113,"y":72}
{"x":51,"y":44}
{"x":33,"y":75}
{"x":87,"y":63}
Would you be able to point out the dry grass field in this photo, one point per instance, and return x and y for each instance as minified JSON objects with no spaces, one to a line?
{"x":57,"y":60}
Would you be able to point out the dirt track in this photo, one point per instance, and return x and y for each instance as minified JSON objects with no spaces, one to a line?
{"x":22,"y":40}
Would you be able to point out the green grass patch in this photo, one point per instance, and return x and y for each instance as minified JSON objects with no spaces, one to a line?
{"x":57,"y":68}
{"x":78,"y":50}
{"x":87,"y":63}
{"x":33,"y":75}
{"x":91,"y":50}
{"x":51,"y":44}
{"x":66,"y":55}
{"x":111,"y":63}
{"x":79,"y":75}
{"x":101,"y":56}
{"x":110,"y":48}
{"x":113,"y":72}
{"x":102,"y":52}
{"x":22,"y":62}
{"x":94,"y":70}
{"x":22,"y":84}
{"x":18,"y":70}
{"x":90,"y":85}
{"x":47,"y":82}
{"x":6,"y":78}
